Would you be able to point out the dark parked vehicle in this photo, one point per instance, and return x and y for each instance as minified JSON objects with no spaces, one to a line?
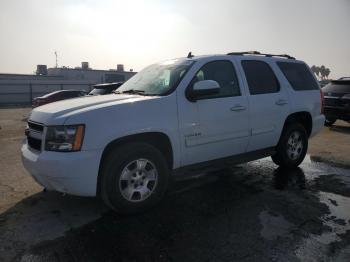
{"x":104,"y":89}
{"x":337,"y":100}
{"x":57,"y":96}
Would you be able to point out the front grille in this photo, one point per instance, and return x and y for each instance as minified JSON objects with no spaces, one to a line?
{"x":35,"y":126}
{"x":34,"y":135}
{"x":34,"y":143}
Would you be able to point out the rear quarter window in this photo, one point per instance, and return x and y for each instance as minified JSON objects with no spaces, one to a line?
{"x":298,"y":76}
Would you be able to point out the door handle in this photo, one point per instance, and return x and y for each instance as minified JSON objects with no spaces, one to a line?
{"x":238,"y":108}
{"x":281,"y":102}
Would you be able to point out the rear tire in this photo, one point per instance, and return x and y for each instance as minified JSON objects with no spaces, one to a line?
{"x":292,"y":147}
{"x":329,"y":122}
{"x":134,"y":177}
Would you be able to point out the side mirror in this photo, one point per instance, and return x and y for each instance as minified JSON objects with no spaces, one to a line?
{"x":203,"y":88}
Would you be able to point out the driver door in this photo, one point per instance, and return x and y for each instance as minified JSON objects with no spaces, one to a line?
{"x":215,"y":126}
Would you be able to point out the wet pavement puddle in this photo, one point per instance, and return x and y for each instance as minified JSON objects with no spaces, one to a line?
{"x":252,"y":212}
{"x":274,"y":226}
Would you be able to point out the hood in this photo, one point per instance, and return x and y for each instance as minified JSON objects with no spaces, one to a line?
{"x":56,"y":113}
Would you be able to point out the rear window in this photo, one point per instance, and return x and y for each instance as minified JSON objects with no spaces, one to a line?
{"x":298,"y":76}
{"x":341,"y":86}
{"x":260,"y":77}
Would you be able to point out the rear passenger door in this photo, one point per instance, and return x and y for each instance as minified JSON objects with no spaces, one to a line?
{"x":268,"y":102}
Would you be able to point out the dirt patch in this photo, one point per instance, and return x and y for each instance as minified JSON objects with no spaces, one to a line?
{"x":332,"y":145}
{"x":15,"y":183}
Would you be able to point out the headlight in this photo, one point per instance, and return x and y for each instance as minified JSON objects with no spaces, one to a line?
{"x":64,"y":138}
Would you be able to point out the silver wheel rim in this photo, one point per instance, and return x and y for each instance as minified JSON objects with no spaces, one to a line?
{"x":138,"y":180}
{"x":295,"y":145}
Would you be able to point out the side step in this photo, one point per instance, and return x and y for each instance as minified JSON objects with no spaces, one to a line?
{"x":222,"y":163}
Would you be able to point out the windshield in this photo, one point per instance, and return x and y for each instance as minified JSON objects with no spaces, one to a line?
{"x":51,"y":94}
{"x":157,"y":79}
{"x":98,"y":91}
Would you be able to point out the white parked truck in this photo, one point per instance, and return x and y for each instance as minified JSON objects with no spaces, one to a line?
{"x":174,"y":117}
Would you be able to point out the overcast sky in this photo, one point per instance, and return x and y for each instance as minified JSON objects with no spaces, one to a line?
{"x":137,"y":33}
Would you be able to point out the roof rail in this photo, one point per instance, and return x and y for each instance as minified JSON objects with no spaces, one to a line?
{"x":260,"y":54}
{"x":344,"y":78}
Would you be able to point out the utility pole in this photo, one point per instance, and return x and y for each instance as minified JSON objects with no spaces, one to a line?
{"x":56,"y":59}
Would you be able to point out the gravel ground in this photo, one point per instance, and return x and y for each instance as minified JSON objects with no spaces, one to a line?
{"x":253,"y":212}
{"x":15,"y":184}
{"x":332,"y":145}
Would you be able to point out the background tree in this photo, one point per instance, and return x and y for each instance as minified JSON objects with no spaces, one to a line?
{"x":327,"y":72}
{"x":323,"y":72}
{"x":316,"y":70}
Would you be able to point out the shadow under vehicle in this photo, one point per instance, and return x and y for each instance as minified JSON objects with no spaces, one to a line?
{"x":249,"y":212}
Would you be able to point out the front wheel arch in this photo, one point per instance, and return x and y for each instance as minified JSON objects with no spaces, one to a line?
{"x":112,"y":173}
{"x":159,"y":140}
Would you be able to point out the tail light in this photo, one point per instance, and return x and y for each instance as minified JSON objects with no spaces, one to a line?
{"x":322,"y":101}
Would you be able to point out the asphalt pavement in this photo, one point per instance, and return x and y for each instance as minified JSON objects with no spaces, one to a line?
{"x":251,"y":212}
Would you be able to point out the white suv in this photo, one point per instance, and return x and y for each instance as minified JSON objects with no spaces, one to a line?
{"x":174,"y":117}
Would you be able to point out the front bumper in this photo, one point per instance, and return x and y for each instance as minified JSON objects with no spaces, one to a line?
{"x":67,"y":172}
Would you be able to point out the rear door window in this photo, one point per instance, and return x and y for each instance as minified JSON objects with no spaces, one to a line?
{"x":260,"y":77}
{"x":298,"y":76}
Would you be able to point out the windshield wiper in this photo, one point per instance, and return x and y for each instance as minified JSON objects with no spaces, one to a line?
{"x":133,"y":91}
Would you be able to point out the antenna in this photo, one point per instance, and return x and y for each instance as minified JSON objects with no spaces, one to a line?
{"x":56,"y":59}
{"x":190,"y":55}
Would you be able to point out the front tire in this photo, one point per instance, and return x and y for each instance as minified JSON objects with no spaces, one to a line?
{"x":292,"y":147}
{"x":134,"y":177}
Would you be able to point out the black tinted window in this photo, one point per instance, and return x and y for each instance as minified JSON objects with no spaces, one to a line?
{"x":298,"y":76}
{"x":260,"y":77}
{"x":222,"y":72}
{"x":69,"y":94}
{"x":340,"y":86}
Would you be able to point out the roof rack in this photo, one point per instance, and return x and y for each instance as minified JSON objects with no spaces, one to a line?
{"x":261,"y":54}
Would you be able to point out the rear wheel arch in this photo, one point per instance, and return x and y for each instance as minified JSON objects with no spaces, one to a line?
{"x":292,"y":147}
{"x":304,"y":118}
{"x":159,"y":140}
